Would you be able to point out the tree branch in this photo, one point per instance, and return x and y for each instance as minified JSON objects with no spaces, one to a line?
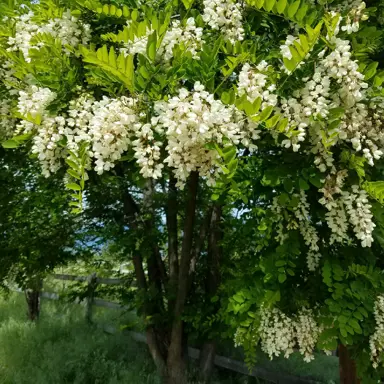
{"x":172,"y":208}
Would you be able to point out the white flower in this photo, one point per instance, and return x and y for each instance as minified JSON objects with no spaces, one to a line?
{"x":189,"y":36}
{"x":34,"y":100}
{"x":376,"y":341}
{"x":226,"y":16}
{"x":193,"y":120}
{"x":68,"y":29}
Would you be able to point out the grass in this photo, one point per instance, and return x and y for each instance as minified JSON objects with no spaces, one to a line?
{"x":62,"y":349}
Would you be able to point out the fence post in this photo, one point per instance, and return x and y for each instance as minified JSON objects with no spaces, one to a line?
{"x":92,"y":285}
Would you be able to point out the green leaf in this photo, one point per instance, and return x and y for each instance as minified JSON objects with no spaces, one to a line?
{"x":280,"y":6}
{"x":134,"y":14}
{"x":268,"y":5}
{"x":272,"y":121}
{"x":370,"y":70}
{"x":121,"y":68}
{"x":24,"y":137}
{"x":292,"y":9}
{"x":73,"y":186}
{"x":363,"y":311}
{"x":303,"y":184}
{"x":288,"y":185}
{"x":225,"y":98}
{"x":74,"y":174}
{"x":289,"y":64}
{"x":266,"y":113}
{"x":10,"y":144}
{"x":229,"y":153}
{"x":187,"y":3}
{"x":151,"y":46}
{"x":272,"y":297}
{"x":280,"y":263}
{"x":282,"y":277}
{"x":282,"y":125}
{"x":336,"y":113}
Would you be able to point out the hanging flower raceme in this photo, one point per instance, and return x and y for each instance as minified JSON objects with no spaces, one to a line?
{"x":226,"y":16}
{"x":193,"y":120}
{"x":188,"y":35}
{"x":68,"y":29}
{"x":280,"y":334}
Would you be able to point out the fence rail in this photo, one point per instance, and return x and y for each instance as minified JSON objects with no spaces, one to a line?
{"x":220,"y":361}
{"x":100,"y":280}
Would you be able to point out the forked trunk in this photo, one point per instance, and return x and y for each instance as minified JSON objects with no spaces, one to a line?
{"x":347,"y":367}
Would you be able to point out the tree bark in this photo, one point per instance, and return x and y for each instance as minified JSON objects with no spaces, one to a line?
{"x":172,"y":231}
{"x":32,"y":296}
{"x":347,"y":367}
{"x":131,"y":211}
{"x":212,"y":283}
{"x":176,"y":362}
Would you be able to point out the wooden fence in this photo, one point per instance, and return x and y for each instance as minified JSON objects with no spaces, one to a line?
{"x":223,"y":362}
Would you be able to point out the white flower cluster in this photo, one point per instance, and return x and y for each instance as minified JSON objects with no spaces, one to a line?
{"x":226,"y":16}
{"x":67,"y":28}
{"x":138,"y":45}
{"x":7,"y":75}
{"x":255,"y":83}
{"x":109,"y":129}
{"x":302,"y":221}
{"x":339,"y":66}
{"x":193,"y":120}
{"x":279,"y":334}
{"x":278,"y":217}
{"x":147,"y":151}
{"x":336,"y":216}
{"x":307,"y":333}
{"x":362,"y":127}
{"x":353,"y":18}
{"x":189,"y":36}
{"x":376,"y":341}
{"x":45,"y":144}
{"x":308,"y":231}
{"x":7,"y":123}
{"x":107,"y":125}
{"x":34,"y":101}
{"x":361,"y":122}
{"x":360,"y":216}
{"x":347,"y":208}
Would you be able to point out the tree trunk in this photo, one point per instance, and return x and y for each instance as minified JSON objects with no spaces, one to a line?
{"x":155,"y":346}
{"x":212,"y":282}
{"x":347,"y":367}
{"x":207,"y":359}
{"x":156,"y":353}
{"x":32,"y":296}
{"x":176,"y":362}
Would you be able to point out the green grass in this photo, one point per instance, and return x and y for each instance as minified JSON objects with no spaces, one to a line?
{"x":62,"y":349}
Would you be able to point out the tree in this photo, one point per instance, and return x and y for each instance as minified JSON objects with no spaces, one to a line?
{"x":37,"y":231}
{"x":195,"y":118}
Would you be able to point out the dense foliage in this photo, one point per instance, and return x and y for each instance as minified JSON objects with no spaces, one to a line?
{"x":270,"y":114}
